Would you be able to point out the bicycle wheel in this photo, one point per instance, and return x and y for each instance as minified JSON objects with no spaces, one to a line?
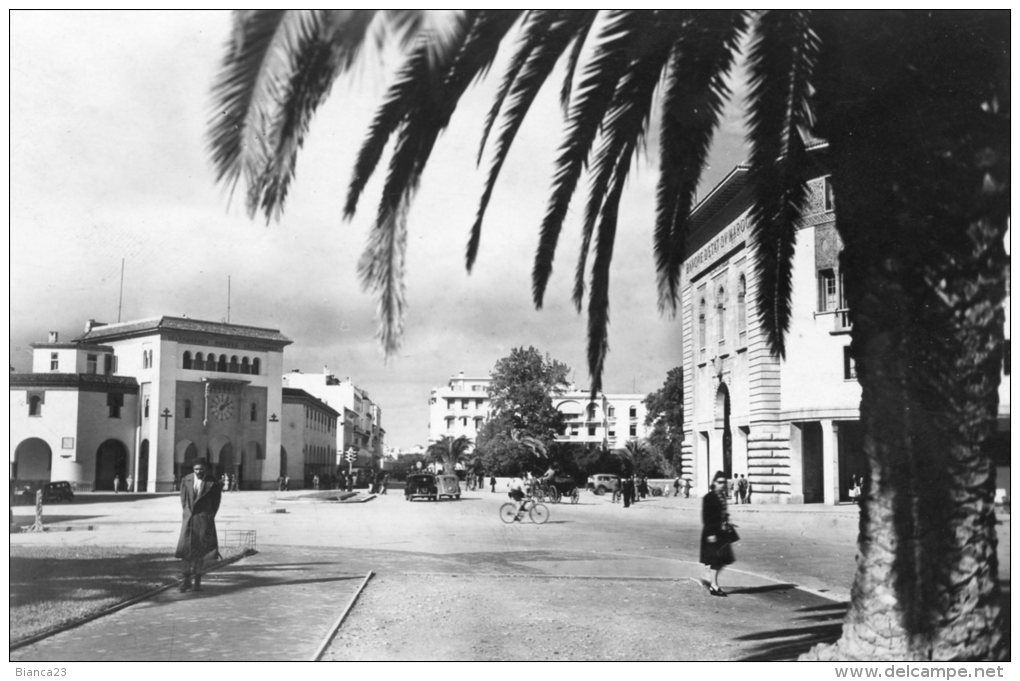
{"x":508,"y":512}
{"x":539,"y":514}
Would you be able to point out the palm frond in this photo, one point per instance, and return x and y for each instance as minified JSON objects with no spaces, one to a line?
{"x":412,"y":87}
{"x":533,"y":30}
{"x":320,"y":56}
{"x":582,"y":31}
{"x":598,"y":302}
{"x":544,"y":50}
{"x":381,"y":268}
{"x":782,"y":59}
{"x":244,"y":91}
{"x":625,"y":123}
{"x":693,"y":96}
{"x":602,"y":72}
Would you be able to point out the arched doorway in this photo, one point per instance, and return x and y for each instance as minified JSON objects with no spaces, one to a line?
{"x":185,"y":454}
{"x":142,"y":474}
{"x":111,"y":462}
{"x":33,"y":460}
{"x":251,"y":463}
{"x":722,"y":423}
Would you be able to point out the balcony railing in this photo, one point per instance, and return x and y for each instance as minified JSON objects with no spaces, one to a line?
{"x":842,"y":321}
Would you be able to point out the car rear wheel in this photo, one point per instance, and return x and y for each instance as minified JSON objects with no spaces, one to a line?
{"x":600,"y":490}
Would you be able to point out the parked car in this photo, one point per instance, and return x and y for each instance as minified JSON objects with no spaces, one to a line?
{"x":431,"y":486}
{"x":54,"y":492}
{"x":600,"y":483}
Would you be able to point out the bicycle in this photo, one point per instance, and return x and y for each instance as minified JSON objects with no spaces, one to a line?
{"x":534,"y":510}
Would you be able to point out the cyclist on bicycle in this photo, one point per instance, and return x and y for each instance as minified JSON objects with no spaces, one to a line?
{"x":517,"y":494}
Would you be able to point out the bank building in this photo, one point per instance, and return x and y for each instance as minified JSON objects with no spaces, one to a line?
{"x":789,"y":425}
{"x":142,"y":400}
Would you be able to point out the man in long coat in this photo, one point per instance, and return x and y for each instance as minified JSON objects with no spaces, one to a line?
{"x":200,"y":500}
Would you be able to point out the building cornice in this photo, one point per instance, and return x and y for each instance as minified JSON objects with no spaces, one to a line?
{"x":87,"y":382}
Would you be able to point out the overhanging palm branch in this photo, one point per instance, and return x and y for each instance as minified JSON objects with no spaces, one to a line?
{"x":782,"y":61}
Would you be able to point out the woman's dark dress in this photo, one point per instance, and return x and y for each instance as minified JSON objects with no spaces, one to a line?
{"x":713,"y":515}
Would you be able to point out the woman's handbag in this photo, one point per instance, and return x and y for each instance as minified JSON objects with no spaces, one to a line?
{"x":728,"y":534}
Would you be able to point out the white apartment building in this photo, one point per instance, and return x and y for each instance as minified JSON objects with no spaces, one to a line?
{"x":462,"y":406}
{"x":361,"y":423}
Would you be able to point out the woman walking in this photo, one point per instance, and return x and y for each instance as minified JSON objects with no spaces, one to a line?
{"x":717,"y":535}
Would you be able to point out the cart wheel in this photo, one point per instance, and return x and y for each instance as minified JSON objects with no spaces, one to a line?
{"x":507,"y":512}
{"x":575,"y":497}
{"x":539,"y":514}
{"x":554,"y":495}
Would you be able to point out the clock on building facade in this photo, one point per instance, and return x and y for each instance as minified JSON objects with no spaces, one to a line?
{"x":221,"y":405}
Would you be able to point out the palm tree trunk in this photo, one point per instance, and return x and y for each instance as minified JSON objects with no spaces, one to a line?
{"x":925,"y":280}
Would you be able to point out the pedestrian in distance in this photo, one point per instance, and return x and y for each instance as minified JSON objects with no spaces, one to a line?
{"x":676,"y":486}
{"x":130,"y":483}
{"x":200,"y":501}
{"x":116,"y":484}
{"x":234,"y":482}
{"x":628,"y":491}
{"x":742,"y":490}
{"x":315,"y":481}
{"x":492,"y":483}
{"x":687,"y":488}
{"x":717,"y":534}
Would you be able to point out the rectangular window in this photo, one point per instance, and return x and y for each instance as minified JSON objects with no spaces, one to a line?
{"x":849,"y":366}
{"x":633,"y":412}
{"x":827,"y":291}
{"x":611,"y":411}
{"x":633,"y":430}
{"x":830,"y":196}
{"x":115,"y":402}
{"x":591,"y":431}
{"x":54,"y":361}
{"x":91,"y":364}
{"x":35,"y":402}
{"x":109,"y":364}
{"x":612,"y":432}
{"x":463,"y":404}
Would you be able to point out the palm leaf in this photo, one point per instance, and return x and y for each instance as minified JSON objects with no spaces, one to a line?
{"x":782,"y":59}
{"x":625,"y":123}
{"x":244,"y":91}
{"x":693,"y":96}
{"x":598,"y":302}
{"x":543,"y":51}
{"x":536,"y":23}
{"x":602,"y":72}
{"x":321,"y":54}
{"x":581,"y":31}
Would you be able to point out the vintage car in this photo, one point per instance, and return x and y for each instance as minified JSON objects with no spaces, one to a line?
{"x":601,"y":483}
{"x":431,"y":486}
{"x":57,"y":491}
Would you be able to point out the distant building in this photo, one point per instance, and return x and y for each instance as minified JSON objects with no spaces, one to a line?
{"x":360,"y":423}
{"x":462,"y":406}
{"x":309,"y":439}
{"x":144,"y":399}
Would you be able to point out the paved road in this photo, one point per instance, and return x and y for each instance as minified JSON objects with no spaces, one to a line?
{"x":794,"y":568}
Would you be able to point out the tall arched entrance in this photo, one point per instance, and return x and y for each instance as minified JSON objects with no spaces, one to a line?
{"x":185,"y":454}
{"x":111,"y":462}
{"x":142,"y":474}
{"x":724,"y":428}
{"x":252,"y":465}
{"x":33,"y":460}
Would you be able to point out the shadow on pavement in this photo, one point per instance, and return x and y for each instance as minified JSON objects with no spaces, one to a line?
{"x":823,"y":624}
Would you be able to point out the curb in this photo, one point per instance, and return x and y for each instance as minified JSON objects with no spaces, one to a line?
{"x":21,"y":643}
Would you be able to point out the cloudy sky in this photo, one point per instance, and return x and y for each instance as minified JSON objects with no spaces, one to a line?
{"x":109,"y":163}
